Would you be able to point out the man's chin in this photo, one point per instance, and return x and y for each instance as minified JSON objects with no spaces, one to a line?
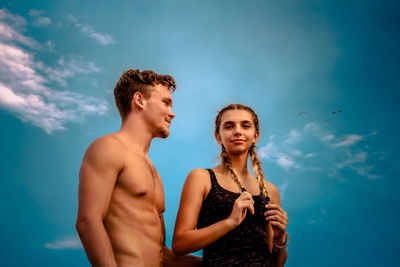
{"x":163,"y":133}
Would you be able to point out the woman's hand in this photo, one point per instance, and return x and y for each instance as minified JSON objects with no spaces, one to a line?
{"x":277,"y":217}
{"x":243,"y":203}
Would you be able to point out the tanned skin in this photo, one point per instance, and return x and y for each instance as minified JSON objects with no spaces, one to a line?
{"x":121,"y":195}
{"x":237,"y":134}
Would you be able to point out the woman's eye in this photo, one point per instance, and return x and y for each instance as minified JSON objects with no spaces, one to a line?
{"x":246,"y":126}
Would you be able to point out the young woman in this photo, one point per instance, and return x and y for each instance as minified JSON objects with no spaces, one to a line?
{"x":234,"y":216}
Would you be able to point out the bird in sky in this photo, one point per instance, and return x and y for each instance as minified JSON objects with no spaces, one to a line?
{"x":336,"y":112}
{"x":302,"y":113}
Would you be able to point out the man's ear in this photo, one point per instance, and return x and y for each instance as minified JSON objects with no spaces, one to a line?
{"x":137,"y":100}
{"x":218,"y":138}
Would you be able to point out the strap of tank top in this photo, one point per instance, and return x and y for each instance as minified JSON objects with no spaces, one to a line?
{"x":212,"y":176}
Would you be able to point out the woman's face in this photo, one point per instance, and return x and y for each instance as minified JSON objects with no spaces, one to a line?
{"x":237,"y":131}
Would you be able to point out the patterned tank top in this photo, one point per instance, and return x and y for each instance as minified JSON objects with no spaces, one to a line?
{"x":245,"y":245}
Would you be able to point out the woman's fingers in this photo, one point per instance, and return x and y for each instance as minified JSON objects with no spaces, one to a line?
{"x":246,"y":196}
{"x":247,"y":204}
{"x":279,"y":225}
{"x":275,"y":212}
{"x":276,"y":218}
{"x":274,"y":207}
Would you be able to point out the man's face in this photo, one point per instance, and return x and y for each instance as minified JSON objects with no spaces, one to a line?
{"x":158,"y":111}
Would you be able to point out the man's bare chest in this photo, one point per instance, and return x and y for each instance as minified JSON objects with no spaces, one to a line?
{"x":140,"y":179}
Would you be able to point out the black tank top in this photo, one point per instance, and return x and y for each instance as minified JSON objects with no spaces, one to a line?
{"x":246,"y":245}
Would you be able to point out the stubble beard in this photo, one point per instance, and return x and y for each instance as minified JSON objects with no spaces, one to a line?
{"x":163,"y":132}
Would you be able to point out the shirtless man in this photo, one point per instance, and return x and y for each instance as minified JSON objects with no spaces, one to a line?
{"x":121,"y":195}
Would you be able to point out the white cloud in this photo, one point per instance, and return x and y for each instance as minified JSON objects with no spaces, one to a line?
{"x":288,"y":153}
{"x":295,"y":152}
{"x":273,"y":154}
{"x":15,"y":19}
{"x":283,"y":188}
{"x":101,"y":38}
{"x":359,"y":157}
{"x":348,"y":140}
{"x":68,"y":67}
{"x":268,"y":151}
{"x":286,"y":161}
{"x":328,"y":137}
{"x":24,"y":88}
{"x":65,"y":243}
{"x":292,"y":136}
{"x":311,"y":127}
{"x":38,"y":19}
{"x":8,"y":34}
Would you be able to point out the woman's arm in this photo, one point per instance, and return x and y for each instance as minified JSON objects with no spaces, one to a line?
{"x":277,"y":217}
{"x":186,"y":237}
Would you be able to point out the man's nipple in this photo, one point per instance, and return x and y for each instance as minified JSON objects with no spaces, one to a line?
{"x":142,"y":192}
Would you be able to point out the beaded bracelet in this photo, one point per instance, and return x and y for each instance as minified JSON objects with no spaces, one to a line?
{"x":278,"y":248}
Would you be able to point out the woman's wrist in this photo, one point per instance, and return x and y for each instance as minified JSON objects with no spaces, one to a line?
{"x":279,"y":248}
{"x":230,"y":223}
{"x":280,"y":240}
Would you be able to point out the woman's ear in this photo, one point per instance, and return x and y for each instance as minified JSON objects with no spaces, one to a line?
{"x":218,"y":138}
{"x":256,"y":136}
{"x":137,"y":100}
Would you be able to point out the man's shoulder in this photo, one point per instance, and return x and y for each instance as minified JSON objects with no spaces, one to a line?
{"x":105,"y":147}
{"x":108,"y":141}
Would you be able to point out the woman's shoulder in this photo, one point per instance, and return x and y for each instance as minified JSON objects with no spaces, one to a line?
{"x":198,"y":180}
{"x":198,"y":175}
{"x":271,"y":187}
{"x":273,"y":192}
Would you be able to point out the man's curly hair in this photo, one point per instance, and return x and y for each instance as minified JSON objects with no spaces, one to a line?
{"x":132,"y":81}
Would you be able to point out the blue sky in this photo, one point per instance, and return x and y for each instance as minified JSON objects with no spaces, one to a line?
{"x":336,"y":172}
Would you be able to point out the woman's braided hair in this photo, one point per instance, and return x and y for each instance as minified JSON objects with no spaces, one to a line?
{"x":255,"y":162}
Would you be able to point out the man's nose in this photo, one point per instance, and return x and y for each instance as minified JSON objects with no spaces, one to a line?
{"x":171,"y":114}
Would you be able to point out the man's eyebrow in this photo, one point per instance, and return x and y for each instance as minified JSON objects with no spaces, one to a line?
{"x":169,"y":100}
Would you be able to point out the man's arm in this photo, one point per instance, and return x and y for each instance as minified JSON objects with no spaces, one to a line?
{"x":97,"y":177}
{"x":170,"y":260}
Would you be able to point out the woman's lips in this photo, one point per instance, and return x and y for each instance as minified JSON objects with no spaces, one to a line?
{"x":238,"y":141}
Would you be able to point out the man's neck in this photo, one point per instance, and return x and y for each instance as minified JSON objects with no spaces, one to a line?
{"x":135,"y":134}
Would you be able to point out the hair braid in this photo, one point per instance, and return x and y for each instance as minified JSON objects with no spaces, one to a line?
{"x":255,"y":162}
{"x":228,"y":164}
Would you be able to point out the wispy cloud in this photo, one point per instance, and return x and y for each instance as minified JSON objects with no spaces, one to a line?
{"x":101,"y":38}
{"x":65,"y":243}
{"x":348,"y":140}
{"x":286,"y":161}
{"x":9,"y":26}
{"x":331,"y":154}
{"x":68,"y":67}
{"x":24,"y":82}
{"x":38,"y":19}
{"x":292,"y":136}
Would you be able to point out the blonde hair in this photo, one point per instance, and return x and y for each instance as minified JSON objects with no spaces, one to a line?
{"x":255,"y":162}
